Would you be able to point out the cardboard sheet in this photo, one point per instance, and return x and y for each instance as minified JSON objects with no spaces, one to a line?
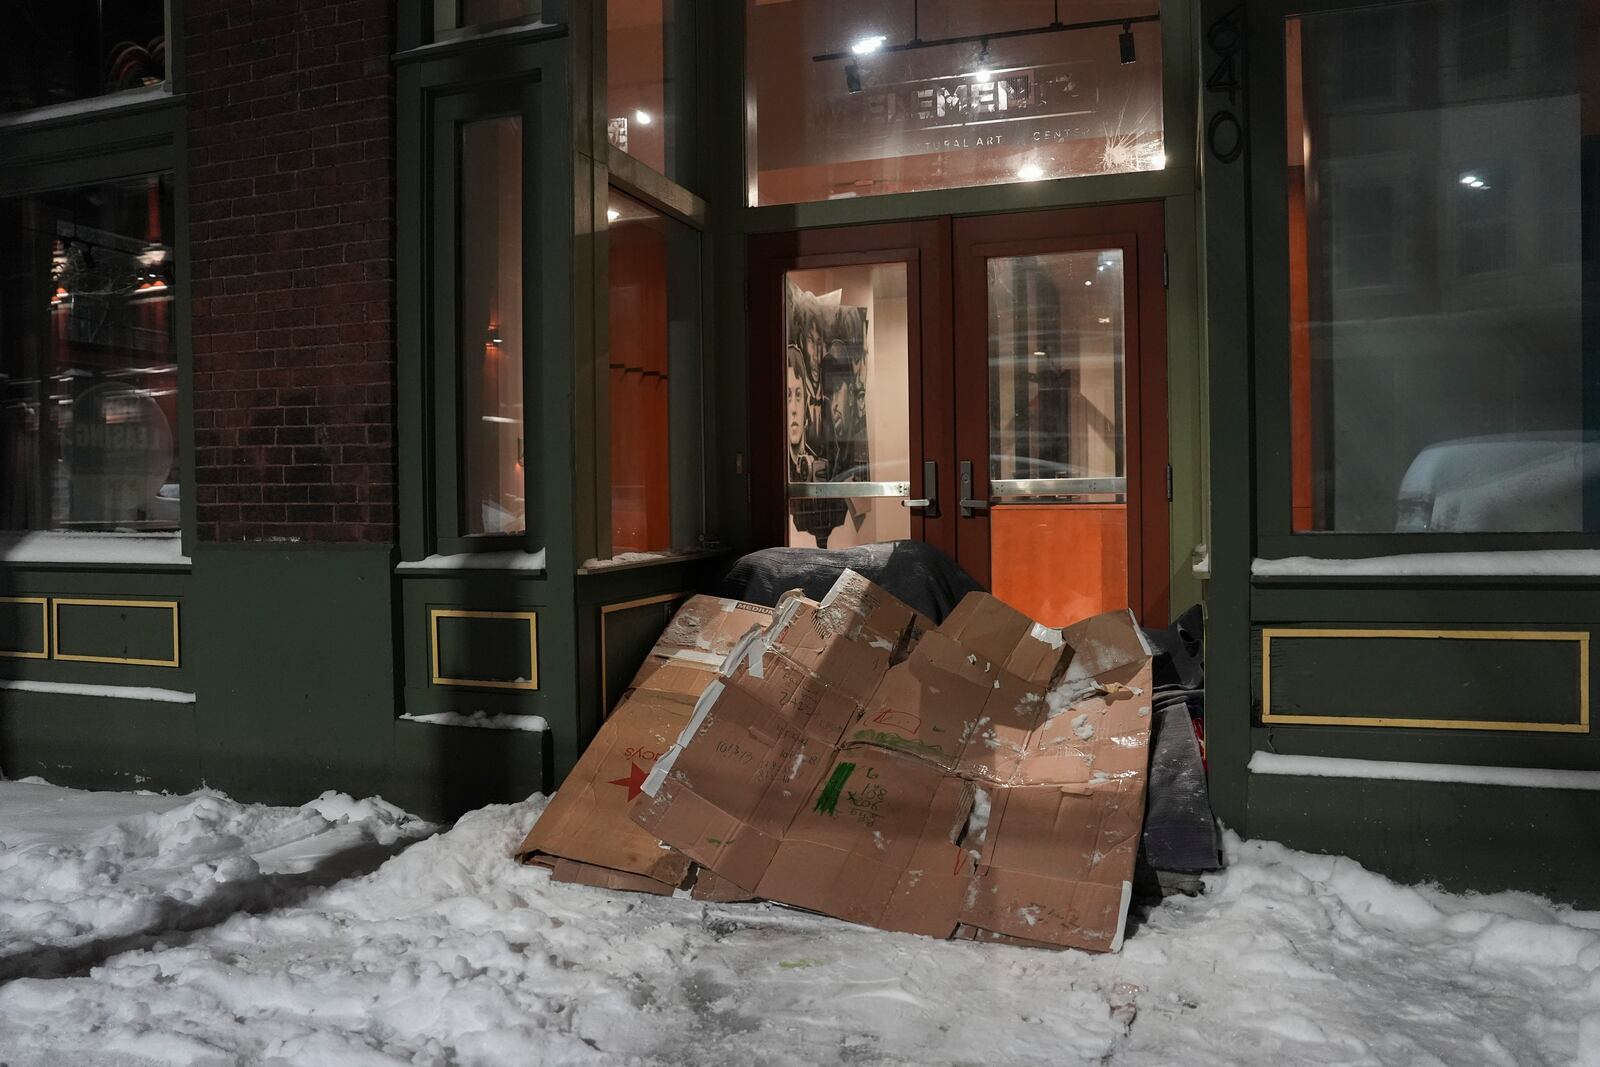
{"x":982,"y":779}
{"x":585,"y":834}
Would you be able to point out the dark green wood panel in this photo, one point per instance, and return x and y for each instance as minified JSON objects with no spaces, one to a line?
{"x":1466,"y":602}
{"x":1463,"y":836}
{"x":23,"y":627}
{"x":293,"y":654}
{"x":1434,"y":681}
{"x":118,"y":631}
{"x":627,"y":635}
{"x":496,"y":648}
{"x":441,"y":771}
{"x":99,"y":742}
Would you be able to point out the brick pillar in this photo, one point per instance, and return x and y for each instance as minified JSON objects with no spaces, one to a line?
{"x":291,"y":194}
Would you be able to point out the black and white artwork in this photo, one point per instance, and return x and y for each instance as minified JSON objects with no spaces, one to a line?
{"x":825,"y":388}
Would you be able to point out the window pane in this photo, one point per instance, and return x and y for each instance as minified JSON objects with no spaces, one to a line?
{"x":654,"y":385}
{"x":492,"y":429}
{"x":1057,"y":433}
{"x":648,"y":83}
{"x":88,"y":382}
{"x":856,"y":99}
{"x":53,"y":51}
{"x":1056,"y":370}
{"x":848,"y":398}
{"x":1438,"y":369}
{"x":452,"y":15}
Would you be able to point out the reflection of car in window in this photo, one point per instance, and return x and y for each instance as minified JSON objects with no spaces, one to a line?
{"x":1001,"y":466}
{"x":1515,"y":483}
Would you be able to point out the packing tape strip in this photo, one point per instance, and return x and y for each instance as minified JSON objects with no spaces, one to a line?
{"x":702,"y":707}
{"x":1049,"y":635}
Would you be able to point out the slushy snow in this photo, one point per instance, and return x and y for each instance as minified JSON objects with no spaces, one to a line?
{"x":138,"y":929}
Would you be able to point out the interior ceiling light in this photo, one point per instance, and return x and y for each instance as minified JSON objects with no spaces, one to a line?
{"x":1468,"y":179}
{"x":984,"y":75}
{"x":874,"y":43}
{"x":642,"y":118}
{"x":612,"y":214}
{"x":1030,"y":172}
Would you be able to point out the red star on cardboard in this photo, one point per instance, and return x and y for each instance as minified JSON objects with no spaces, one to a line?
{"x":634,"y":781}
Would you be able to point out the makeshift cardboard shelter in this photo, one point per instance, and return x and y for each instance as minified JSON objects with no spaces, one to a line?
{"x":981,"y":779}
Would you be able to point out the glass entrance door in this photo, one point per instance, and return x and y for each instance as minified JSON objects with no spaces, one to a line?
{"x":851,"y":415}
{"x":1061,"y":430}
{"x":993,"y":386}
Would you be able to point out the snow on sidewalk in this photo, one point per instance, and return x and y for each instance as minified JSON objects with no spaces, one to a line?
{"x":449,"y":953}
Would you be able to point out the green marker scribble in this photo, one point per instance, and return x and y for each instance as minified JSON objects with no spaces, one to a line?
{"x":794,"y":965}
{"x":830,"y":792}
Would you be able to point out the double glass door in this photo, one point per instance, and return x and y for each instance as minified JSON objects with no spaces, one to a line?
{"x":991,"y":385}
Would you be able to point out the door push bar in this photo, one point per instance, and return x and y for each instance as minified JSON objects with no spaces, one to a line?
{"x":969,"y":505}
{"x":930,"y":485}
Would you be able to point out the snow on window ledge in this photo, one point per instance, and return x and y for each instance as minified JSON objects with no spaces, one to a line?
{"x":113,"y":101}
{"x":113,"y":692}
{"x":1273,"y":763}
{"x":483,"y":720}
{"x":533,"y":562}
{"x":1569,"y":563}
{"x":131,"y":549}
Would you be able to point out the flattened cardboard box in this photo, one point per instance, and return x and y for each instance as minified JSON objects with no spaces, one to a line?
{"x":584,"y":834}
{"x":982,"y":779}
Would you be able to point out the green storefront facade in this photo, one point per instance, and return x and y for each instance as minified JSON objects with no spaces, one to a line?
{"x":1428,"y":716}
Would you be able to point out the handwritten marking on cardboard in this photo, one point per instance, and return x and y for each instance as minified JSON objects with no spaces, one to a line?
{"x":829,"y":800}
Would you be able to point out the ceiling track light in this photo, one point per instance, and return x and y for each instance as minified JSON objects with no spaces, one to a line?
{"x":852,"y":77}
{"x":877,"y":43}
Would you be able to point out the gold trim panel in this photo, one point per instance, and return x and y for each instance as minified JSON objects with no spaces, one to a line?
{"x":1578,"y":637}
{"x":608,"y":609}
{"x":44,"y":628}
{"x":55,"y":630}
{"x":530,"y":617}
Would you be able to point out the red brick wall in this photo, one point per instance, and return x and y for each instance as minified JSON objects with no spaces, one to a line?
{"x":291,"y":208}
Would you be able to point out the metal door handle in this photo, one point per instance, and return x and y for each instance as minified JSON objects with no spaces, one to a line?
{"x":930,"y":485}
{"x":968,"y":503}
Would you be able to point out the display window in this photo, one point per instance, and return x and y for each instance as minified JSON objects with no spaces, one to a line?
{"x":59,"y":51}
{"x":654,"y":383}
{"x":88,"y":366}
{"x":854,"y":99}
{"x":493,"y":431}
{"x":451,"y":18}
{"x":1435,"y":203}
{"x":649,"y":84}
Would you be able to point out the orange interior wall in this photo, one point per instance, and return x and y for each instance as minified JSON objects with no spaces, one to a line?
{"x":1060,"y":562}
{"x":641,"y":515}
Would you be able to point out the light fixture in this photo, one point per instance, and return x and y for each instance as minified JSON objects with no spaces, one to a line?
{"x":874,"y":43}
{"x":1125,"y":44}
{"x":1088,"y":283}
{"x":852,"y":77}
{"x":612,"y":214}
{"x":983,"y":75}
{"x":1030,"y":172}
{"x":1478,"y":183}
{"x":1468,"y":179}
{"x":642,"y":118}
